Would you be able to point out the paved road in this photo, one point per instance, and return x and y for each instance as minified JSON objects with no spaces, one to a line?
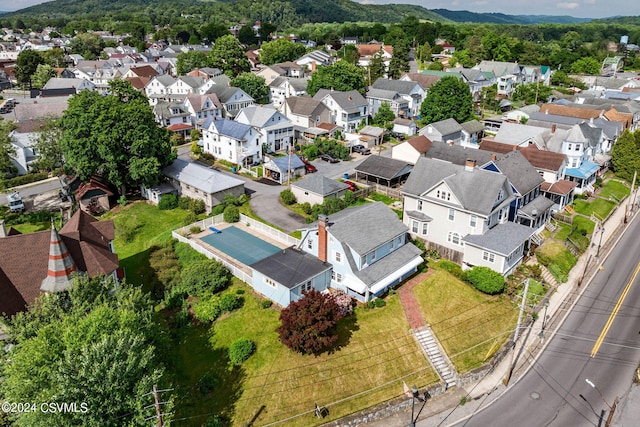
{"x":550,"y":393}
{"x":34,"y":189}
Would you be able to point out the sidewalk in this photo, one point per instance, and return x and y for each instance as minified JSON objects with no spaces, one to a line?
{"x":446,"y":409}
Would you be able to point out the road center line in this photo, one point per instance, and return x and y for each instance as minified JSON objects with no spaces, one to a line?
{"x":605,"y":330}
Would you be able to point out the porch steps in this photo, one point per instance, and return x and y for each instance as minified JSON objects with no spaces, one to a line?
{"x":436,"y":356}
{"x":548,"y":277}
{"x":537,"y":239}
{"x":569,"y":209}
{"x":551,"y":225}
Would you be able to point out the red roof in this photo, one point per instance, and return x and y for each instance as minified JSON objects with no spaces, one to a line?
{"x":562,"y":187}
{"x":179,"y":126}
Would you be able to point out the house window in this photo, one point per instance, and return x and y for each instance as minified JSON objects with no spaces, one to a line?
{"x":336,"y":277}
{"x":270,"y":282}
{"x":419,"y":205}
{"x":414,"y":227}
{"x":425,"y":228}
{"x":305,"y":287}
{"x":444,"y":195}
{"x":452,"y":214}
{"x":454,"y":238}
{"x":487,"y":256}
{"x":502,"y":215}
{"x":569,"y":146}
{"x":309,"y":244}
{"x":338,"y":257}
{"x":472,"y":221}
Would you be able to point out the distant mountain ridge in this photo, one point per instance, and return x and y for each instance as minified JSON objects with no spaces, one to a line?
{"x":501,"y":18}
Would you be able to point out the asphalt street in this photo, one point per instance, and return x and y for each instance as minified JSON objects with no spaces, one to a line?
{"x":591,"y":360}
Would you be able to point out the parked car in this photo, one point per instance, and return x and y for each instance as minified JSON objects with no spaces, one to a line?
{"x":361,"y":149}
{"x":352,"y":185}
{"x":309,"y":168}
{"x":329,"y":158}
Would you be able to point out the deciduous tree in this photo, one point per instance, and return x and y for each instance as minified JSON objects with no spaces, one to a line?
{"x":27,"y":64}
{"x":115,"y":136}
{"x":7,"y":150}
{"x":228,"y":55}
{"x":187,"y":61}
{"x":281,"y":50}
{"x":339,"y":76}
{"x":47,"y":145}
{"x":625,"y":155}
{"x":448,"y":98}
{"x":43,"y":73}
{"x":384,"y":115}
{"x":586,"y":65}
{"x":253,"y":85}
{"x":309,"y":324}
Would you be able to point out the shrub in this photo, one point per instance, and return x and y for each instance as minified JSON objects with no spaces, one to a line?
{"x":266,"y":303}
{"x":214,"y":421}
{"x":190,"y":218}
{"x":485,"y":280}
{"x":181,"y":318}
{"x":239,"y":291}
{"x":311,"y":152}
{"x":379,"y":302}
{"x":230,"y":302}
{"x":122,"y":201}
{"x":205,"y":276}
{"x":194,"y":229}
{"x":432,"y":253}
{"x":241,"y":350}
{"x":167,"y":202}
{"x":306,"y":207}
{"x":163,"y":261}
{"x":230,"y":200}
{"x":208,"y":382}
{"x":344,"y":302}
{"x":451,"y":267}
{"x":287,"y":197}
{"x":218,"y":210}
{"x":183,"y":202}
{"x":207,"y":309}
{"x":197,"y":206}
{"x":231,"y":214}
{"x":242,"y":199}
{"x":350,"y":198}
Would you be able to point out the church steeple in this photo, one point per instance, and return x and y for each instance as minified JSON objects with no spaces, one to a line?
{"x":61,"y":265}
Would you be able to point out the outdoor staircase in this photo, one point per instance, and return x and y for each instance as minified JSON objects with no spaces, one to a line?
{"x":569,"y":209}
{"x":551,"y":225}
{"x":436,"y":355}
{"x":548,"y":277}
{"x":537,"y":239}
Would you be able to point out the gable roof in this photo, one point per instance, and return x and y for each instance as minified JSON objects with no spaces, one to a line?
{"x":541,"y":159}
{"x":304,"y":105}
{"x":457,"y":154}
{"x":144,"y":71}
{"x":472,"y":126}
{"x":522,"y":175}
{"x":208,"y":180}
{"x":572,"y":111}
{"x":291,"y":267}
{"x":384,"y":167}
{"x":283,"y":163}
{"x":425,"y":80}
{"x":420,"y":143}
{"x":348,"y":100}
{"x":502,"y":239}
{"x":476,"y":190}
{"x":259,"y":116}
{"x":229,"y":128}
{"x":446,"y":126}
{"x":320,"y":184}
{"x":400,"y":86}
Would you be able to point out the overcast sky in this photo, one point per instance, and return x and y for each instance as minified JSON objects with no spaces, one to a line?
{"x":577,"y":8}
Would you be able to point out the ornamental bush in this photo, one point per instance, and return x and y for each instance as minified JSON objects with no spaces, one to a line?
{"x":167,"y":202}
{"x":241,"y":350}
{"x":485,"y":280}
{"x":287,"y":197}
{"x":230,"y":302}
{"x":205,"y":276}
{"x":231,"y":214}
{"x":207,"y":309}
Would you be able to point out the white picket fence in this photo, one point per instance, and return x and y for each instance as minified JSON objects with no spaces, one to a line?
{"x":269,"y":231}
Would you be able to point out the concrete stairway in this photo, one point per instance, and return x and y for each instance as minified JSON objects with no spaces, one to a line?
{"x":548,"y":277}
{"x":436,"y":355}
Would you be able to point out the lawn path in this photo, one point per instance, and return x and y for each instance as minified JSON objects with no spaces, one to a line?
{"x":409,"y":301}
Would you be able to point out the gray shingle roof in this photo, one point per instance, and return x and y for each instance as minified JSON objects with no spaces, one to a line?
{"x":521,"y":174}
{"x":230,"y":128}
{"x":304,"y":105}
{"x":291,"y":267}
{"x":502,"y":239}
{"x":389,"y":263}
{"x":472,"y":126}
{"x":320,"y":184}
{"x":457,"y":154}
{"x":389,"y":95}
{"x":400,"y":86}
{"x":384,"y":167}
{"x":200,"y":177}
{"x":446,"y":127}
{"x":260,"y":116}
{"x":476,"y":190}
{"x":346,"y":100}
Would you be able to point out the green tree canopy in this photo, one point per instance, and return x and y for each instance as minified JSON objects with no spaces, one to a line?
{"x":625,"y":155}
{"x":341,"y":76}
{"x":115,"y":136}
{"x":42,"y":75}
{"x":384,"y":115}
{"x":376,"y":69}
{"x":7,"y":151}
{"x":350,"y":53}
{"x":213,"y":31}
{"x":253,"y":85}
{"x":96,"y":344}
{"x":47,"y":145}
{"x":228,"y":55}
{"x":88,"y":45}
{"x":26,"y":65}
{"x":531,"y":93}
{"x":586,"y":65}
{"x":399,"y":63}
{"x":448,"y":98}
{"x":187,"y":61}
{"x":281,"y":50}
{"x":247,"y":36}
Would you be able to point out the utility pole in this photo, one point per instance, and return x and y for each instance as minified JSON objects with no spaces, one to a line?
{"x":631,"y":201}
{"x":157,"y":404}
{"x":517,"y":334}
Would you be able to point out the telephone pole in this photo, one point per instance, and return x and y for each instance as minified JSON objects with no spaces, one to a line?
{"x":159,"y":416}
{"x":157,"y":404}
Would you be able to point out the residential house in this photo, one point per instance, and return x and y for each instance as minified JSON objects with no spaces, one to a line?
{"x":57,"y":86}
{"x":365,"y":264}
{"x":447,"y":130}
{"x":47,"y":261}
{"x":203,"y":107}
{"x":184,"y":85}
{"x":472,"y":133}
{"x":315,"y":189}
{"x":140,"y":71}
{"x":235,"y":142}
{"x":475,"y":79}
{"x":305,"y":112}
{"x":445,"y":204}
{"x":282,"y":88}
{"x":233,"y":99}
{"x":404,"y":127}
{"x":205,"y":72}
{"x":93,"y":197}
{"x":425,"y":80}
{"x":312,"y":60}
{"x":411,"y":150}
{"x":203,"y":183}
{"x":348,"y":109}
{"x":284,"y":276}
{"x":158,"y":88}
{"x":369,"y":50}
{"x":283,"y":169}
{"x":23,"y":139}
{"x":276,"y":130}
{"x":513,"y":70}
{"x":174,"y":116}
{"x":285,"y":69}
{"x":404,"y":97}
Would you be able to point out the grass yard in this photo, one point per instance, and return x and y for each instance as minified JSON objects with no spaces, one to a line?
{"x":614,"y":188}
{"x":557,"y":258}
{"x":375,"y":354}
{"x":601,"y":207}
{"x":138,"y":227}
{"x":470,"y":325}
{"x":377,"y":197}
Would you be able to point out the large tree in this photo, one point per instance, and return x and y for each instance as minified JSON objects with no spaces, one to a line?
{"x":47,"y":145}
{"x":281,"y":50}
{"x":625,"y":155}
{"x":187,"y":61}
{"x":43,"y":73}
{"x":587,"y":65}
{"x":339,"y":76}
{"x":115,"y":136}
{"x":7,"y":150}
{"x":309,"y":324}
{"x":88,"y":45}
{"x":448,"y":98}
{"x":376,"y":69}
{"x":253,"y":85}
{"x":96,"y":346}
{"x":228,"y":55}
{"x":399,"y":63}
{"x":532,"y":93}
{"x":26,"y":65}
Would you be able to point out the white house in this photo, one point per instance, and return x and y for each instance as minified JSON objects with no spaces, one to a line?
{"x":315,"y":188}
{"x":404,"y":126}
{"x":411,"y":150}
{"x":348,"y":109}
{"x":305,"y":111}
{"x":285,"y":87}
{"x":232,"y":141}
{"x":404,"y":97}
{"x":276,"y":130}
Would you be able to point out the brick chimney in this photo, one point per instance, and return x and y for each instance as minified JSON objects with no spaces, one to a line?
{"x":553,"y":128}
{"x":494,"y":157}
{"x":470,"y":165}
{"x":323,"y":223}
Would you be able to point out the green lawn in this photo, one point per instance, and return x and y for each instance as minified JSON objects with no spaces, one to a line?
{"x":556,"y":257}
{"x":470,"y":325}
{"x":601,"y":207}
{"x":614,"y":188}
{"x":381,"y":198}
{"x":375,"y":354}
{"x":146,"y":225}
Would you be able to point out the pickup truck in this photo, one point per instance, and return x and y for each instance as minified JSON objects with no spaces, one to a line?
{"x":361,"y":149}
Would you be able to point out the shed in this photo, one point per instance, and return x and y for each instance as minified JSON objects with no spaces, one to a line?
{"x":280,"y":168}
{"x":315,"y":188}
{"x":383,"y":170}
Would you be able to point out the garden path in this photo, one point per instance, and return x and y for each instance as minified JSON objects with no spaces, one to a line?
{"x":409,"y":302}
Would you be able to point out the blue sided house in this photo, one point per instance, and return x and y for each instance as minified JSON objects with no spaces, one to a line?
{"x":367,"y":247}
